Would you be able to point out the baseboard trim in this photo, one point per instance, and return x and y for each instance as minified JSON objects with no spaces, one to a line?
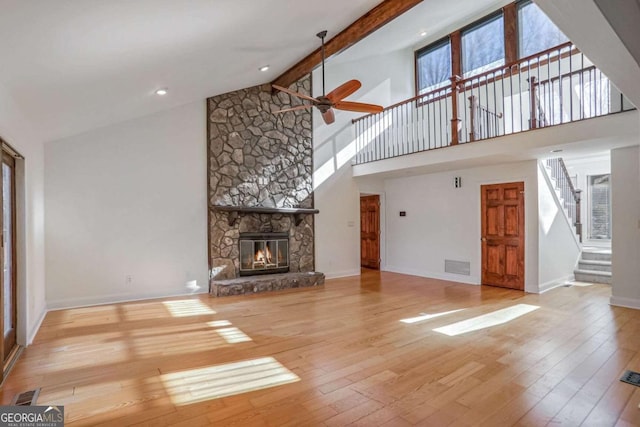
{"x":556,"y":283}
{"x":468,"y":280}
{"x":625,"y":302}
{"x":34,"y":331}
{"x":340,"y":274}
{"x":113,"y":299}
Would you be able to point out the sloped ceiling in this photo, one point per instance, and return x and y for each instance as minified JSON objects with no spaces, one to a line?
{"x":608,"y":36}
{"x":75,"y":65}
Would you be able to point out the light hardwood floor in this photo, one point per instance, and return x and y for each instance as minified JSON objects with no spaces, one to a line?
{"x":340,"y":355}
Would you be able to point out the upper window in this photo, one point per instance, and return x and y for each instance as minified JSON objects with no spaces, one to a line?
{"x":536,"y":32}
{"x":433,"y":66}
{"x":483,"y":46}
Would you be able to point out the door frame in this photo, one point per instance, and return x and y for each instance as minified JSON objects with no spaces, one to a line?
{"x":530,"y":275}
{"x":383,"y":245}
{"x":11,"y":161}
{"x":20,"y":259}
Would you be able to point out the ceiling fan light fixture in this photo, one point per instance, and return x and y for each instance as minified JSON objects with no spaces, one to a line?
{"x":334,"y":99}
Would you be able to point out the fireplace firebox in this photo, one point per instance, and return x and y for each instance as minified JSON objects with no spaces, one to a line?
{"x":264,"y":253}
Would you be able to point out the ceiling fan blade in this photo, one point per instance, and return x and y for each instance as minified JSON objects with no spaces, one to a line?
{"x":299,"y":107}
{"x":329,"y":116}
{"x":358,"y":107}
{"x":299,"y":95}
{"x":344,"y":90}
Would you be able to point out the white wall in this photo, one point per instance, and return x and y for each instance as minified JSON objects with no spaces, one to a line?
{"x":443,"y":222}
{"x":625,"y":195}
{"x":385,"y":79}
{"x":624,"y":15}
{"x":558,"y":247}
{"x":128,"y":200}
{"x":17,"y":131}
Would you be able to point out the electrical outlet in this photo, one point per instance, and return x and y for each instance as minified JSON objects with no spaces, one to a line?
{"x":128,"y":279}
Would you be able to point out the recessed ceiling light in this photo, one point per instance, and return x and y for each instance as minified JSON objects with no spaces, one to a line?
{"x":163,"y":91}
{"x":264,"y":68}
{"x":423,"y":33}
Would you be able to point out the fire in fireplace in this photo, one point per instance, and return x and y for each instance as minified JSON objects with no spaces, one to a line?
{"x":264,"y":253}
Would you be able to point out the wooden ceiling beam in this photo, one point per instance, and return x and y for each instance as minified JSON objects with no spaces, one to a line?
{"x":376,"y":18}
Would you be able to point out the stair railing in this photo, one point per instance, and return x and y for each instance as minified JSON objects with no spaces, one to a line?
{"x":552,"y":87}
{"x":571,"y":196}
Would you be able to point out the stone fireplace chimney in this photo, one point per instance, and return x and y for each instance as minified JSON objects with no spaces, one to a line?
{"x":260,"y":169}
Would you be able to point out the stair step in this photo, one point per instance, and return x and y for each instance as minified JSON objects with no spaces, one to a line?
{"x":596,"y":255}
{"x":592,"y":276}
{"x":594,"y":265}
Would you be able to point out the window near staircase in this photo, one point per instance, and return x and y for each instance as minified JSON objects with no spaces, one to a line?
{"x":536,"y":32}
{"x":433,"y":66}
{"x":483,"y":46}
{"x":600,"y":207}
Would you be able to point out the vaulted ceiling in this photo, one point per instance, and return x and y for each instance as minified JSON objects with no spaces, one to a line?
{"x":75,"y":65}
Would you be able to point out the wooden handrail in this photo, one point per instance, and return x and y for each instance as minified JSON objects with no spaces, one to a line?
{"x":446,"y":90}
{"x":568,"y":178}
{"x":519,"y":61}
{"x":564,"y":182}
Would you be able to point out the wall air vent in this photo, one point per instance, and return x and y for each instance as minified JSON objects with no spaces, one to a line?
{"x":457,"y":267}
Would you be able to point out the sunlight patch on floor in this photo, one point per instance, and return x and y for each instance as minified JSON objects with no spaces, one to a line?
{"x":187,"y":307}
{"x":219,"y":323}
{"x":488,"y":320}
{"x":425,"y":316}
{"x":214,"y":382}
{"x":233,"y":335}
{"x":580,"y":284}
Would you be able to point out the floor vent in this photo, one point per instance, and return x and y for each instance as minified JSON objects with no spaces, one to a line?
{"x":457,"y":267}
{"x":631,"y":377}
{"x":27,"y":398}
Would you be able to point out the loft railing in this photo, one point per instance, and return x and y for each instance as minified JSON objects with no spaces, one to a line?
{"x":571,"y":196}
{"x":559,"y":85}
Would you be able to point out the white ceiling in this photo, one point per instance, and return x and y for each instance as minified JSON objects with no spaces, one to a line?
{"x":75,"y":65}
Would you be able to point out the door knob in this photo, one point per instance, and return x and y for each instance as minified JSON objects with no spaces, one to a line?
{"x":484,"y":239}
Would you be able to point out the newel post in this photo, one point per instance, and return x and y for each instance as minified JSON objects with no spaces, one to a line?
{"x":472,"y":118}
{"x":455,"y":119}
{"x":578,"y":221}
{"x":533,"y":101}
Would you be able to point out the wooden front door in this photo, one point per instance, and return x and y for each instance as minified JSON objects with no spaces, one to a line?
{"x":370,"y":231}
{"x":503,"y":235}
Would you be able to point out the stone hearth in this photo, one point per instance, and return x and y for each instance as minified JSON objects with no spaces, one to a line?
{"x":271,"y":282}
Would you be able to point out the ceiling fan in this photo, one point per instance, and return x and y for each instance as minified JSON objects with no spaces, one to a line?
{"x":334,"y":99}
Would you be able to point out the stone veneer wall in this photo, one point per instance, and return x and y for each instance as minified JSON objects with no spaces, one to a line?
{"x":257,"y":158}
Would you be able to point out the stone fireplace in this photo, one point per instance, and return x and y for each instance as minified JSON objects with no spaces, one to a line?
{"x":260,"y":168}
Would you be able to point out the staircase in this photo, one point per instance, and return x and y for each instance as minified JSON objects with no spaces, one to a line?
{"x":594,"y":266}
{"x":568,"y":194}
